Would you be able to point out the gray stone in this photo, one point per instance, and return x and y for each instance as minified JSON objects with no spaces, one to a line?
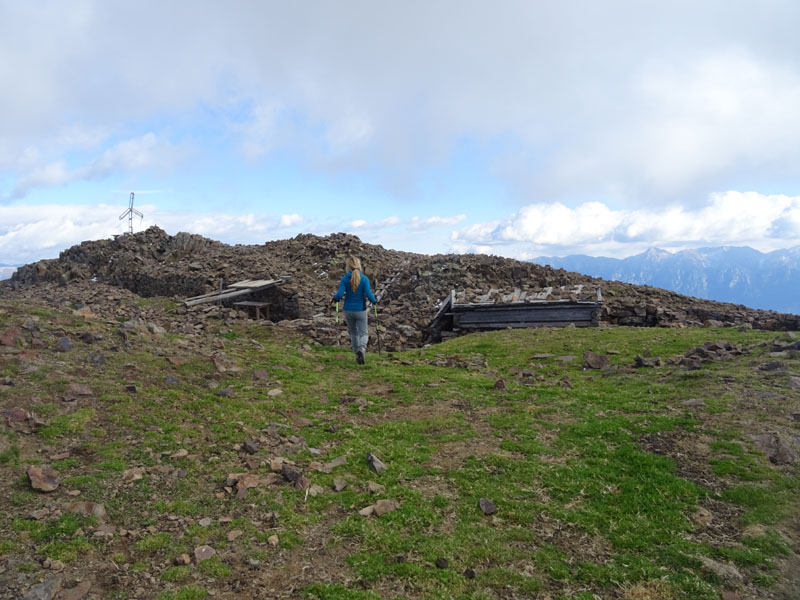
{"x":43,"y":477}
{"x":383,"y":507}
{"x":375,"y":463}
{"x":45,"y":590}
{"x":775,"y":365}
{"x":592,"y":360}
{"x":75,"y":593}
{"x":63,"y":344}
{"x":487,"y":506}
{"x":202,"y":553}
{"x":778,"y":451}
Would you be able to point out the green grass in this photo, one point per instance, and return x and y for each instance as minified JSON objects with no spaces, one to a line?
{"x":583,"y":506}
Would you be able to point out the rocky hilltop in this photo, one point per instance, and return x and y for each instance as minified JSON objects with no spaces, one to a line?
{"x":107,"y":276}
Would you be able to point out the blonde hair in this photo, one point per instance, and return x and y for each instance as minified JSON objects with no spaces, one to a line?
{"x":353,"y":264}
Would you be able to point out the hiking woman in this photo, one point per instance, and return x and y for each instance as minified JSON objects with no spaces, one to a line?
{"x":354,"y":286}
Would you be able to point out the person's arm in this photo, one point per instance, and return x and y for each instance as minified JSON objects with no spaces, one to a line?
{"x":368,"y":292}
{"x":340,"y":292}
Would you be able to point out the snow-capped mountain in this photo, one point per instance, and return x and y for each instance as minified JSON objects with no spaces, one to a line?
{"x":728,"y":274}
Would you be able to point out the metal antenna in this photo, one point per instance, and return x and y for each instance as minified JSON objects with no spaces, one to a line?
{"x":129,"y":213}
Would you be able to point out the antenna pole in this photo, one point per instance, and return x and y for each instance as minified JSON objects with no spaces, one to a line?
{"x":129,"y":213}
{"x":130,"y":216}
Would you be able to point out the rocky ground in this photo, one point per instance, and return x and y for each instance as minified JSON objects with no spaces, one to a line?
{"x":101,"y":275}
{"x":149,"y":452}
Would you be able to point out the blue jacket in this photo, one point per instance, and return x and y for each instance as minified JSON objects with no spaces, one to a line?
{"x":354,"y":300}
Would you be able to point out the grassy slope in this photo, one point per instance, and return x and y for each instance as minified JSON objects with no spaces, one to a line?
{"x":597,"y":477}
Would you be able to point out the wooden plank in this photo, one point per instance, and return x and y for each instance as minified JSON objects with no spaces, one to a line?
{"x":524,"y":325}
{"x":253,"y":283}
{"x":225,"y":295}
{"x":446,"y":304}
{"x":517,"y":314}
{"x":229,"y":293}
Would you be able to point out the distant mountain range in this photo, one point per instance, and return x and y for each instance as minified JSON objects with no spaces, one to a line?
{"x":728,"y":274}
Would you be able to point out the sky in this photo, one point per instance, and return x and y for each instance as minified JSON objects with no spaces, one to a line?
{"x":517,"y":128}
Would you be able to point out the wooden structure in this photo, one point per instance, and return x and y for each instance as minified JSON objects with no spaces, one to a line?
{"x":515,"y":310}
{"x":257,"y":310}
{"x":239,"y":289}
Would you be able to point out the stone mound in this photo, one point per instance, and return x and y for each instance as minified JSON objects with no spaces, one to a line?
{"x":102,"y":274}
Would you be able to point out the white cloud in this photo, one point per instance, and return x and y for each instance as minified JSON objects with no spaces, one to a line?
{"x":147,"y":151}
{"x":358,"y":224}
{"x":765,"y":222}
{"x":624,"y":100}
{"x":432,"y":222}
{"x":289,"y":220}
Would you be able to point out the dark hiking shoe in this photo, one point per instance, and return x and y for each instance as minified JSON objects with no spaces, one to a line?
{"x":360,"y":357}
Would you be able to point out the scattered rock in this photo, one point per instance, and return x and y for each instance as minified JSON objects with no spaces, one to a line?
{"x":500,"y":384}
{"x":595,"y":361}
{"x":43,"y":478}
{"x":774,"y":365}
{"x":375,"y":463}
{"x":39,"y":514}
{"x":367,"y":510}
{"x":202,"y":553}
{"x":794,"y":382}
{"x":170,"y":380}
{"x":375,"y":488}
{"x":339,"y":485}
{"x":75,"y":593}
{"x":183,"y":559}
{"x":273,"y":541}
{"x":487,"y":506}
{"x":88,"y":509}
{"x":232,"y":535}
{"x":315,"y":490}
{"x":205,"y":522}
{"x":76,"y":391}
{"x":182,"y":453}
{"x":274,"y":392}
{"x":131,"y":388}
{"x":469,"y":573}
{"x":45,"y":590}
{"x":250,"y":446}
{"x":330,"y":466}
{"x":225,"y":393}
{"x":641,"y":361}
{"x":442,"y":563}
{"x":383,"y":507}
{"x":63,"y":344}
{"x":778,"y":451}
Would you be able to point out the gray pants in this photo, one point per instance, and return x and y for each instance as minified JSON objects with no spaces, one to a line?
{"x":357,"y":325}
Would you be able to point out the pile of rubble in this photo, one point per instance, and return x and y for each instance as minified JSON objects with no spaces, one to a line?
{"x":112,"y":277}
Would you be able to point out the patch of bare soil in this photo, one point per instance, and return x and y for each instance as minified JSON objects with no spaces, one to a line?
{"x":690,"y":451}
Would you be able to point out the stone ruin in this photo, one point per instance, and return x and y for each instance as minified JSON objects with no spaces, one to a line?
{"x":108,"y":275}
